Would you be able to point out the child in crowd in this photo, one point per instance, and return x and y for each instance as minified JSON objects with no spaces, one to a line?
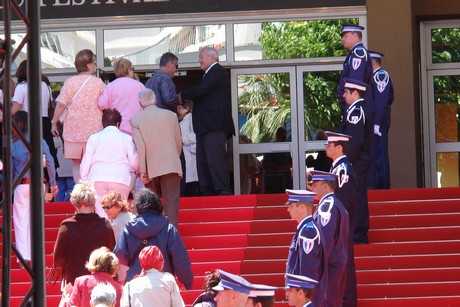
{"x":64,"y":171}
{"x":184,"y":112}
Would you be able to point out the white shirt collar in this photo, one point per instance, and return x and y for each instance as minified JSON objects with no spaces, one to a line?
{"x":210,"y":67}
{"x":337,"y":160}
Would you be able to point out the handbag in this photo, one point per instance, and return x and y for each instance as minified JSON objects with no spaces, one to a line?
{"x":63,"y":116}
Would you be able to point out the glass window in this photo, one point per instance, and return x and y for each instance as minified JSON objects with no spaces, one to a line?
{"x":146,"y":45}
{"x":58,"y":49}
{"x":251,"y":179}
{"x":317,"y":160}
{"x":264,"y":105}
{"x":447,"y":101}
{"x":447,"y":169}
{"x":277,"y":172}
{"x":289,"y":39}
{"x":445,"y":45}
{"x":322,"y":109}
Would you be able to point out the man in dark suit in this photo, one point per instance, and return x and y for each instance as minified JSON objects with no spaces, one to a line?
{"x":213,"y":124}
{"x":336,"y":149}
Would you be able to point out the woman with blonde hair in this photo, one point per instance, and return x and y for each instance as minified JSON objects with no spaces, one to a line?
{"x":78,"y":236}
{"x":78,"y":98}
{"x":103,"y":265}
{"x":117,"y":210}
{"x":122,"y":93}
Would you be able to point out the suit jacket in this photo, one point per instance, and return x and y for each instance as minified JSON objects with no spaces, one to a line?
{"x":157,"y":137}
{"x":212,"y":108}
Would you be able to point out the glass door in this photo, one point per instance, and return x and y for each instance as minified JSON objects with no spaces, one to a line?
{"x":318,"y":111}
{"x":280,"y":111}
{"x":444,"y":104}
{"x":440,"y":41}
{"x":265,"y":148}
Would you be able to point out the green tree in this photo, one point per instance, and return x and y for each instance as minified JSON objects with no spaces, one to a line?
{"x":265,"y":98}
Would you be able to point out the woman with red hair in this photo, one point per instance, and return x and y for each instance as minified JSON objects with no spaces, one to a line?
{"x":152,"y":287}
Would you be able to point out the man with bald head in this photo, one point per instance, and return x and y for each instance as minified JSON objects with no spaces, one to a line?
{"x":213,"y":123}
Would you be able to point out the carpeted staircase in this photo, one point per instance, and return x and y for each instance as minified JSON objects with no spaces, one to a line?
{"x":413,"y":260}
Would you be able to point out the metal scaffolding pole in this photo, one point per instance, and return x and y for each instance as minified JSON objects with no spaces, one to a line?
{"x":36,"y":294}
{"x":36,"y":170}
{"x":6,"y":156}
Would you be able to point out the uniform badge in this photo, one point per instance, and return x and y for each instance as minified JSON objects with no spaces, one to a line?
{"x":325,"y":218}
{"x":381,"y":87}
{"x":308,"y":245}
{"x":381,"y":79}
{"x":356,"y":63}
{"x":341,"y":172}
{"x":353,"y":120}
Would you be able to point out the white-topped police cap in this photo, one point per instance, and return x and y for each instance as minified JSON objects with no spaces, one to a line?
{"x":337,"y":137}
{"x":229,"y":281}
{"x":258,"y":290}
{"x":375,"y":54}
{"x":302,"y":196}
{"x":355,"y":84}
{"x":351,"y":27}
{"x":320,"y":176}
{"x":299,"y":281}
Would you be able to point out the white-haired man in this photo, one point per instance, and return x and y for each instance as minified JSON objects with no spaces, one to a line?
{"x":213,"y":124}
{"x":157,"y":137}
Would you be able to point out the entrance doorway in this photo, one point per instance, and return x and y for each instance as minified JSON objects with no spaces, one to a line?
{"x":278,"y":111}
{"x":441,"y":102}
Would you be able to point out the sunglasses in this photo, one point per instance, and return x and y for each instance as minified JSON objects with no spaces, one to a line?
{"x":107,"y":207}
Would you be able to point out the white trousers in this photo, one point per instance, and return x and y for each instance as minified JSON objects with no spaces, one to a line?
{"x":21,"y":220}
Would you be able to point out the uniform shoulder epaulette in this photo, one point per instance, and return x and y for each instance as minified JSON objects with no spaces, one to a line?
{"x":360,"y":52}
{"x":324,"y":210}
{"x":342,"y":173}
{"x":356,"y":114}
{"x":308,"y":235}
{"x":381,"y":79}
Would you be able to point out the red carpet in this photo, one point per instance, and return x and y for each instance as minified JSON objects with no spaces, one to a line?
{"x":413,"y":260}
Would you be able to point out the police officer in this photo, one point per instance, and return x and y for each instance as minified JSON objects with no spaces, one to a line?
{"x":299,"y":290}
{"x":356,"y":122}
{"x":331,"y":217}
{"x":357,"y":64}
{"x":336,"y":149}
{"x":261,"y":296}
{"x":233,"y":290}
{"x":307,"y":250}
{"x":382,"y":98}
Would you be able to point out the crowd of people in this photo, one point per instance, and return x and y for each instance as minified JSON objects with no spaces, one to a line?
{"x":116,"y":139}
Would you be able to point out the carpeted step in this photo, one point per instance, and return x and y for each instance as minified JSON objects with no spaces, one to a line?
{"x":273,"y":226}
{"x":271,"y":213}
{"x":407,"y":248}
{"x":414,"y":234}
{"x":409,"y":290}
{"x":413,"y":194}
{"x":266,"y":252}
{"x":213,"y":229}
{"x":435,"y":274}
{"x":428,"y":206}
{"x":270,"y":239}
{"x":215,"y":215}
{"x":20,"y":289}
{"x":263,"y":266}
{"x":271,"y":199}
{"x":219,"y":241}
{"x":200,"y":268}
{"x":407,"y":262}
{"x":214,"y":254}
{"x":236,"y":201}
{"x":272,"y":279}
{"x":415,"y":220}
{"x":437,"y":301}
